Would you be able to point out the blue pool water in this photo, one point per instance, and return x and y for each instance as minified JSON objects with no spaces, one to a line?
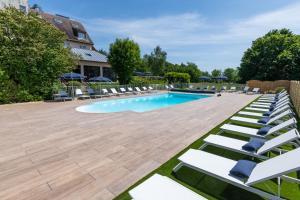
{"x":139,"y":104}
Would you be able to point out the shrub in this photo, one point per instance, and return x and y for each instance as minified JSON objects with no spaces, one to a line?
{"x":136,"y":80}
{"x":175,"y":77}
{"x":32,"y":56}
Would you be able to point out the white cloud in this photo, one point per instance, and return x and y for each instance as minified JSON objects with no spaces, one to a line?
{"x":191,"y":37}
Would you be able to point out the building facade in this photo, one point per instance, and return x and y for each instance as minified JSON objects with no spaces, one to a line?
{"x":21,"y":5}
{"x":91,"y":63}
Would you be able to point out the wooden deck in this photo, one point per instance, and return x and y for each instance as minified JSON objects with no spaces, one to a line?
{"x":51,"y":151}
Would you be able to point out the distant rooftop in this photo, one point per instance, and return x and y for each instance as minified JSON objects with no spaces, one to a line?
{"x":74,"y":30}
{"x":89,"y":55}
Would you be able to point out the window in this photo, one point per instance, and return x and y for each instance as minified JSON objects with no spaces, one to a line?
{"x":82,"y":47}
{"x":23,"y":8}
{"x":81,"y":36}
{"x":88,"y":54}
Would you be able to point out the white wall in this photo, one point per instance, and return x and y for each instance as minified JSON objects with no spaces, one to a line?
{"x":14,"y":3}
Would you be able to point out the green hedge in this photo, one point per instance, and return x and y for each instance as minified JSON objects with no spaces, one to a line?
{"x":175,"y":77}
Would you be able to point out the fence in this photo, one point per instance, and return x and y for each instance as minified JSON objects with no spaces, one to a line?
{"x":295,"y":95}
{"x":269,"y":86}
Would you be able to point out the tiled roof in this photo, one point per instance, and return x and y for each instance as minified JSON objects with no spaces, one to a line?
{"x":89,"y":55}
{"x":67,"y":25}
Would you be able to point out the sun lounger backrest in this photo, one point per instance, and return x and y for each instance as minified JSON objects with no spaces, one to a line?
{"x":279,"y":110}
{"x":255,"y":90}
{"x":122,"y":90}
{"x":130,"y":89}
{"x":281,"y":115}
{"x":275,"y":167}
{"x":138,"y":89}
{"x":105,"y":91}
{"x":282,"y":125}
{"x":151,"y":88}
{"x":144,"y":88}
{"x":114,"y":90}
{"x":279,"y":140}
{"x":78,"y":92}
{"x":246,"y":89}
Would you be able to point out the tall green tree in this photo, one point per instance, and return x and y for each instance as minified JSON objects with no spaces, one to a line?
{"x":32,"y":55}
{"x":274,"y":56}
{"x":124,"y":56}
{"x":157,"y":61}
{"x":216,"y":72}
{"x":231,"y":74}
{"x":190,"y":68}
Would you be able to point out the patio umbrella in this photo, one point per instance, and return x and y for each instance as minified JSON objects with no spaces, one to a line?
{"x":72,"y":76}
{"x":221,"y":78}
{"x":99,"y":79}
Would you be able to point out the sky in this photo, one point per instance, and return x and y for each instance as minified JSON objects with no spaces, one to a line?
{"x":211,"y":33}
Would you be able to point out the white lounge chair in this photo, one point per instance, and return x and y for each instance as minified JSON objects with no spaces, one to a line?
{"x":79,"y":94}
{"x":159,"y":187}
{"x":232,"y":89}
{"x":254,"y":132}
{"x":246,"y":89}
{"x":151,"y":89}
{"x":125,"y":92}
{"x":272,"y":102}
{"x":131,"y":90}
{"x":274,"y":95}
{"x":106,"y":93}
{"x":268,"y":145}
{"x":270,"y":114}
{"x":145,"y":89}
{"x":167,"y":87}
{"x":114,"y":91}
{"x":272,"y":99}
{"x":268,"y":106}
{"x":171,"y":86}
{"x":267,"y":121}
{"x":267,"y":109}
{"x":220,"y":167}
{"x":139,"y":90}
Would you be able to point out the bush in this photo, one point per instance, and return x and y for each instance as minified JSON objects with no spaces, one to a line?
{"x":32,"y":56}
{"x":175,"y":77}
{"x":136,"y":80}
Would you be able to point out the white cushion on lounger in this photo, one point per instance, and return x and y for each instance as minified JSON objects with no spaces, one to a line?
{"x":159,"y":187}
{"x":240,"y":129}
{"x":257,"y":109}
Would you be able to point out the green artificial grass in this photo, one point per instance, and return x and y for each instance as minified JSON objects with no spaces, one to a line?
{"x":212,"y":188}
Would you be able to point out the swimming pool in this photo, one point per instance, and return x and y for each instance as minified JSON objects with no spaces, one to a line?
{"x":139,"y":104}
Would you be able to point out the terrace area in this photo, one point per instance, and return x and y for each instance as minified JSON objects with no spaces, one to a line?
{"x":51,"y":151}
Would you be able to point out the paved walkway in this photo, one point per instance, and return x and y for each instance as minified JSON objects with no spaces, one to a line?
{"x":50,"y":151}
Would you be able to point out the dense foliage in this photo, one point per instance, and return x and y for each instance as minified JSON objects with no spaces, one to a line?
{"x":189,"y":68}
{"x":216,"y":73}
{"x":136,"y":80}
{"x":156,"y":61}
{"x":275,"y":56}
{"x":231,"y":74}
{"x":124,"y":57}
{"x":175,"y":77}
{"x":32,"y":57}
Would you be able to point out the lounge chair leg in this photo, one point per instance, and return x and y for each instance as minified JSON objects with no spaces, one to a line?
{"x":278,"y":182}
{"x":177,"y":167}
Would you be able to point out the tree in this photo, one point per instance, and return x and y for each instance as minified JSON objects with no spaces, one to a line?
{"x":216,"y":73}
{"x":124,"y":56}
{"x":190,"y":68}
{"x":32,"y":55}
{"x":275,"y":56}
{"x":231,"y":74}
{"x":157,"y":61}
{"x":103,"y":52}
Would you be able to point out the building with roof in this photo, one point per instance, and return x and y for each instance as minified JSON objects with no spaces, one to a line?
{"x":91,"y":62}
{"x":21,"y":5}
